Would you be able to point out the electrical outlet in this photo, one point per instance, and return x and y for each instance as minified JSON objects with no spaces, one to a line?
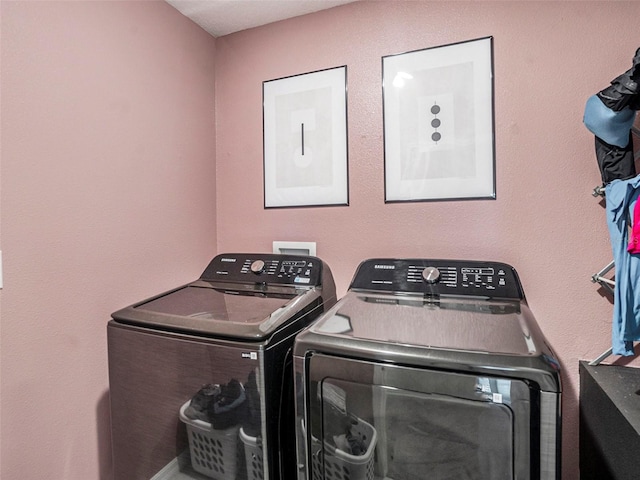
{"x":295,"y":248}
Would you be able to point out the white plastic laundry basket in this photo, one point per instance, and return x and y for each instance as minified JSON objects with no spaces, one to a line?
{"x":213,"y":452}
{"x":253,"y":456}
{"x":340,"y":465}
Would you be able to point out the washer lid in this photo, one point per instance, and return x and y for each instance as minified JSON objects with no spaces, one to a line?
{"x":492,"y":337}
{"x":238,"y":311}
{"x":396,"y":322}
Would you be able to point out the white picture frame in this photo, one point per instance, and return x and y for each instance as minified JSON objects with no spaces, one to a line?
{"x":439,"y":123}
{"x":305,"y":140}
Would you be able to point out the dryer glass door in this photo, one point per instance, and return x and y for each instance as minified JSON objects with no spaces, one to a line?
{"x":380,"y":421}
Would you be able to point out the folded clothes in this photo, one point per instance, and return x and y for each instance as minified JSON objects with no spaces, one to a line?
{"x":350,"y":443}
{"x":223,"y":406}
{"x":229,"y":407}
{"x":198,"y":408}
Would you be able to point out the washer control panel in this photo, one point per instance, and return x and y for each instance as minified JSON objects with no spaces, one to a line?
{"x":439,"y":277}
{"x":265,"y":268}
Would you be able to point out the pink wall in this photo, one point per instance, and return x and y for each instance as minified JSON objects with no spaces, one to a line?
{"x":108,"y":196}
{"x":108,"y":190}
{"x":549,"y":58}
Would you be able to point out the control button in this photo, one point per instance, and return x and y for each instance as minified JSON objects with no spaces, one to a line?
{"x":431,"y":274}
{"x":257,"y":266}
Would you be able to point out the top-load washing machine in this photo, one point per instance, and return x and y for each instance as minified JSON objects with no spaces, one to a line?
{"x":201,"y":376}
{"x":428,"y":369}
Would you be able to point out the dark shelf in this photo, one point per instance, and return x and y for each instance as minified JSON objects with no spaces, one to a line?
{"x":609,"y":422}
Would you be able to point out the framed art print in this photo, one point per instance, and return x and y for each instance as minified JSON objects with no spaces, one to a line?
{"x":438,"y":123}
{"x":305,"y":139}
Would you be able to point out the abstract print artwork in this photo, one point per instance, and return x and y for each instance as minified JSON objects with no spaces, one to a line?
{"x":438,"y":123}
{"x":305,"y":140}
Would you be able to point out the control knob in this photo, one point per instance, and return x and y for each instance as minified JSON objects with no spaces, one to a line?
{"x":257,"y":267}
{"x":431,"y":274}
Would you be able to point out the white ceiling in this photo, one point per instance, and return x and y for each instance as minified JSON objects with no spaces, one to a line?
{"x":222,"y":17}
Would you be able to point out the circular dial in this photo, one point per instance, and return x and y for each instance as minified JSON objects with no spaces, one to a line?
{"x":431,"y":274}
{"x":257,"y":266}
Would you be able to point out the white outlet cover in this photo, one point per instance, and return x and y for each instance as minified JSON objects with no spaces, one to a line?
{"x":295,"y":248}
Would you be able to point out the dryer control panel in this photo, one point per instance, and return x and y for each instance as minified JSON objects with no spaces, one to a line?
{"x":297,"y":270}
{"x":439,"y":277}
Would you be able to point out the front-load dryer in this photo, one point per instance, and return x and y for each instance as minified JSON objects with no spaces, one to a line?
{"x":201,"y":376}
{"x":428,"y":369}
